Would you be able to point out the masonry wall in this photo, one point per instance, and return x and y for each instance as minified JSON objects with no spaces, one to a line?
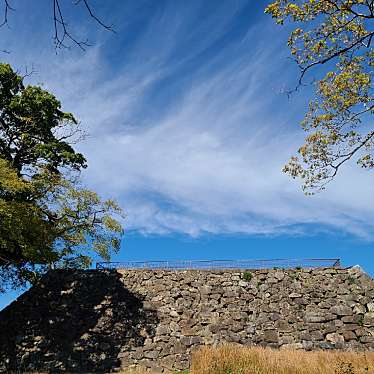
{"x":85,"y":321}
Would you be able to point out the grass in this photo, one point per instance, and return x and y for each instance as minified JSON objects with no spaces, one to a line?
{"x":255,"y":360}
{"x":144,"y":372}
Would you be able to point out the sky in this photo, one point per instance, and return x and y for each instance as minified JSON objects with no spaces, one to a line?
{"x":188,"y":127}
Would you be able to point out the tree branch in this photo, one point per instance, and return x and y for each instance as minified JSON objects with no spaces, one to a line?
{"x":332,"y":56}
{"x":61,"y":29}
{"x":349,"y":155}
{"x":6,"y":10}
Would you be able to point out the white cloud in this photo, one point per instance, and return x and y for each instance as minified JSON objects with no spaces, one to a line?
{"x":212,"y":164}
{"x":210,"y":161}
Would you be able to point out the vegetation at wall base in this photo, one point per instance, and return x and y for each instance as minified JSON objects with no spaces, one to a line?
{"x":234,"y":359}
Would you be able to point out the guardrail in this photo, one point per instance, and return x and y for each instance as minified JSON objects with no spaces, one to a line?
{"x":222,"y":264}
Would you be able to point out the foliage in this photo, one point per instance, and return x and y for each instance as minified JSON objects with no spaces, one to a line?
{"x":33,"y":129}
{"x":47,"y":219}
{"x":23,"y":232}
{"x":247,"y":276}
{"x":351,"y":279}
{"x":338,"y":34}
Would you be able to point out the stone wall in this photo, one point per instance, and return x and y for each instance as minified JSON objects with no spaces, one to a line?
{"x":84,"y":321}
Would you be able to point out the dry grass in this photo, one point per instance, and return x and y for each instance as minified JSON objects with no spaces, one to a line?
{"x":245,"y":360}
{"x":147,"y":372}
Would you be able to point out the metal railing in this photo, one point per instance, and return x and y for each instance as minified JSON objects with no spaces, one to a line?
{"x":223,"y":264}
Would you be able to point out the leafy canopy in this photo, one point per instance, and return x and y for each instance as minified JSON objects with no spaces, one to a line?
{"x":47,"y":219}
{"x":338,"y":34}
{"x":33,"y":129}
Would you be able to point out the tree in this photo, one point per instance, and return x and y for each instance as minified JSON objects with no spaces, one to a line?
{"x":47,"y":219}
{"x":33,"y":129}
{"x":62,"y":34}
{"x":336,"y":34}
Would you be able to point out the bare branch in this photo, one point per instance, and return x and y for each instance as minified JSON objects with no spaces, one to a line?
{"x":61,"y":27}
{"x":59,"y":23}
{"x":6,"y":10}
{"x":92,"y":15}
{"x":62,"y":33}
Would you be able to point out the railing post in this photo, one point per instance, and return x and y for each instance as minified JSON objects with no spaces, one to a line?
{"x":337,"y":263}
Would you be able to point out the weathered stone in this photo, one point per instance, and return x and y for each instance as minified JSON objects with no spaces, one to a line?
{"x":341,"y":310}
{"x":361,"y":331}
{"x":305,"y":335}
{"x":370,"y":307}
{"x":174,"y":327}
{"x":325,"y":345}
{"x":292,"y":346}
{"x":279,"y":275}
{"x":275,"y":316}
{"x":151,"y":354}
{"x":283,"y":326}
{"x":349,"y":327}
{"x":174,"y":313}
{"x":186,"y":340}
{"x":349,"y":335}
{"x":138,"y":354}
{"x":338,"y":323}
{"x":318,"y":317}
{"x":163,"y":330}
{"x":316,"y":335}
{"x":294,"y":295}
{"x":287,"y":339}
{"x":334,"y":338}
{"x":367,"y":339}
{"x":352,"y":319}
{"x":301,"y":301}
{"x":369,"y":319}
{"x":307,"y":345}
{"x":271,"y":336}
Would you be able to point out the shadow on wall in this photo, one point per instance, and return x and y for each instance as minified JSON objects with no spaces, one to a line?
{"x":75,"y":321}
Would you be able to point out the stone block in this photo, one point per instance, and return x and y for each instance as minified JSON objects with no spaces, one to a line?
{"x":341,"y":310}
{"x":369,"y":319}
{"x":294,"y":295}
{"x":367,"y":339}
{"x":316,"y":335}
{"x":318,"y":317}
{"x":349,"y":335}
{"x":271,"y":336}
{"x":292,"y":346}
{"x":335,"y":338}
{"x":370,"y":307}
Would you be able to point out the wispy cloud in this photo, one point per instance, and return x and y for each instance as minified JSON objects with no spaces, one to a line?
{"x":191,"y":135}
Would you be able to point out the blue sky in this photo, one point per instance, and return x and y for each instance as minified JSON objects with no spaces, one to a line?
{"x":189,"y":128}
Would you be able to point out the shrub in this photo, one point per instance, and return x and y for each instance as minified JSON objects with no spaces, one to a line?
{"x":247,"y":276}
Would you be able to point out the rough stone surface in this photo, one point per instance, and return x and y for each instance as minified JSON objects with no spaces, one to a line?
{"x":85,"y":321}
